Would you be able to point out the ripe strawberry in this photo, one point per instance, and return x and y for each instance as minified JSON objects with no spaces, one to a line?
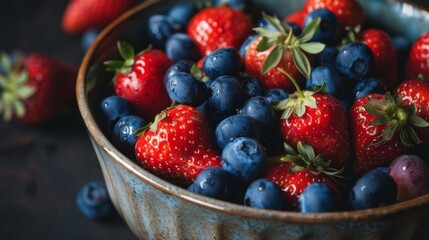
{"x":35,"y":87}
{"x":348,"y":12}
{"x":140,"y":79}
{"x":217,"y":27}
{"x":296,"y":17}
{"x":416,"y":91}
{"x":178,"y":145}
{"x":384,"y":52}
{"x":83,"y":15}
{"x":418,"y":62}
{"x":296,"y":170}
{"x":317,"y":119}
{"x":284,"y":50}
{"x":382,"y":128}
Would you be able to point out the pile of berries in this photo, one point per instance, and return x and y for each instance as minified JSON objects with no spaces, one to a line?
{"x":315,"y":112}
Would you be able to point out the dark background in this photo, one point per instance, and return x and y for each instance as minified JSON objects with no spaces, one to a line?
{"x":42,"y":168}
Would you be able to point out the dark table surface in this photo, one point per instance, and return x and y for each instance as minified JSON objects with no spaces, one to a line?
{"x":43,"y":167}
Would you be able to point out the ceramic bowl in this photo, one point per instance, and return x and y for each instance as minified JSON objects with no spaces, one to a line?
{"x":156,"y":209}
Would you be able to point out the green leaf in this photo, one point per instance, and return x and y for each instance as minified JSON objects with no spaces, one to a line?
{"x":287,"y":112}
{"x":19,"y":108}
{"x":282,"y":104}
{"x":310,"y":101}
{"x":301,"y":62}
{"x":272,"y":59}
{"x":418,"y":121}
{"x":389,"y":98}
{"x":300,"y":109}
{"x":5,"y":62}
{"x":266,"y":33}
{"x":413,"y":135}
{"x":114,"y":65}
{"x":379,"y":121}
{"x":389,"y":132}
{"x":405,"y":138}
{"x":264,"y":44}
{"x":196,"y":71}
{"x":371,"y":109}
{"x":126,"y":50}
{"x":289,"y":149}
{"x":22,"y":77}
{"x":309,"y":151}
{"x":25,"y":92}
{"x":275,"y":22}
{"x":312,"y":47}
{"x":379,"y":104}
{"x":309,"y":31}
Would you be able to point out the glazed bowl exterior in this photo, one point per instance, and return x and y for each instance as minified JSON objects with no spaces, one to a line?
{"x":156,"y":209}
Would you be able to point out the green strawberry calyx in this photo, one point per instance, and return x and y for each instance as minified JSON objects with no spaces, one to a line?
{"x":283,"y":39}
{"x":14,"y":88}
{"x":397,"y":118}
{"x":128,"y":54}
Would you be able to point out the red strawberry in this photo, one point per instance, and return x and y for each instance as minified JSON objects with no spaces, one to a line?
{"x":140,"y":79}
{"x":319,"y":120}
{"x":35,"y":87}
{"x":284,"y":50}
{"x":348,"y":12}
{"x":295,"y":17}
{"x":418,"y":61}
{"x":83,"y":15}
{"x":417,"y":92}
{"x":217,"y":27}
{"x":178,"y":145}
{"x":384,"y":56}
{"x":382,"y":128}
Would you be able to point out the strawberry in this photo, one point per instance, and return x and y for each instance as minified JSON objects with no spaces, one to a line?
{"x":35,"y":87}
{"x":177,"y":145}
{"x":416,"y":91}
{"x":83,"y":15}
{"x":295,"y":17}
{"x":382,"y":128}
{"x":348,"y":12}
{"x":217,"y":27}
{"x":418,"y":61}
{"x":140,"y":79}
{"x":317,"y":119}
{"x":282,"y":49}
{"x":296,"y":170}
{"x":384,"y":52}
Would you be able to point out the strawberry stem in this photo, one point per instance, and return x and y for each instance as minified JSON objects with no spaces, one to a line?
{"x":295,"y":83}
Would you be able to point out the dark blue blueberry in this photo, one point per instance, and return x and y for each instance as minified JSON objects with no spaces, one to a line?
{"x":112,"y":109}
{"x":296,"y":29}
{"x":327,"y":57}
{"x":374,"y":189}
{"x":328,"y":27}
{"x":246,"y":44}
{"x":236,"y":126}
{"x":251,"y":86}
{"x":355,"y":60}
{"x":216,"y":183}
{"x":226,"y":94}
{"x":223,"y":61}
{"x":244,"y":157}
{"x":261,"y":110}
{"x":327,"y":75}
{"x":317,"y":197}
{"x":204,"y":108}
{"x":180,"y":46}
{"x":93,"y":200}
{"x":186,"y":89}
{"x":275,"y":95}
{"x":242,"y":5}
{"x":88,"y":38}
{"x":180,"y":66}
{"x":123,"y":136}
{"x":265,"y":194}
{"x":160,"y":28}
{"x":367,"y":86}
{"x":182,"y":13}
{"x":383,"y":169}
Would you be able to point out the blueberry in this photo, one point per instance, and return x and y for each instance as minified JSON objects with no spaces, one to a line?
{"x":327,"y":75}
{"x":160,"y":28}
{"x":244,"y":157}
{"x":179,"y":66}
{"x":223,"y":61}
{"x":186,"y":89}
{"x":182,"y":13}
{"x":328,"y":27}
{"x":236,"y":126}
{"x":275,"y":95}
{"x":355,"y":60}
{"x":374,"y":189}
{"x":317,"y":197}
{"x":261,"y":110}
{"x":226,"y":94}
{"x":180,"y":46}
{"x":124,"y":137}
{"x":327,"y":57}
{"x":245,"y":45}
{"x":296,"y":29}
{"x":367,"y":86}
{"x":264,"y":194}
{"x":216,"y":183}
{"x":251,"y":86}
{"x":88,"y":38}
{"x":93,"y":200}
{"x":112,"y":109}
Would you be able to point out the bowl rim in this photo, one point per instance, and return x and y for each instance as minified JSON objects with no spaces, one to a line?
{"x":202,"y":201}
